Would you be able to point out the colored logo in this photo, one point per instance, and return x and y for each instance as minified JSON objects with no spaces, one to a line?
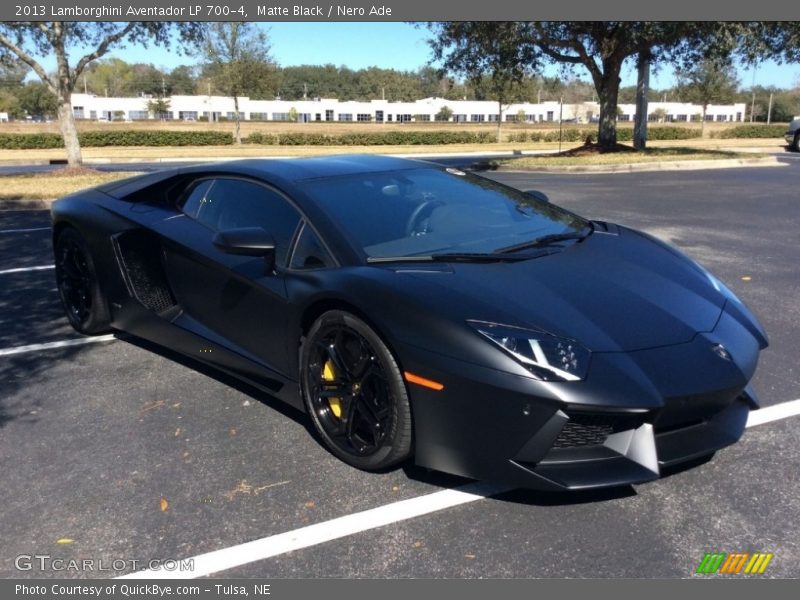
{"x":735,"y":563}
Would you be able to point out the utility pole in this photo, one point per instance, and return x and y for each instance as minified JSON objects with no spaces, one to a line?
{"x":383,"y":93}
{"x":769,"y":110}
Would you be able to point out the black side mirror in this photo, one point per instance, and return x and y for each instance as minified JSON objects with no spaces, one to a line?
{"x":538,"y":195}
{"x":247,"y":241}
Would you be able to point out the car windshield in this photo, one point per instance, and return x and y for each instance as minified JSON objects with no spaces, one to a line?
{"x":430,"y":211}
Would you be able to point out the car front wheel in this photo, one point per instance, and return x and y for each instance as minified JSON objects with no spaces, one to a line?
{"x":78,"y":285}
{"x":354,"y":392}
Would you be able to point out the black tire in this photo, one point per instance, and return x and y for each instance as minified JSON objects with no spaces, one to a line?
{"x":354,"y":393}
{"x":796,"y":144}
{"x":78,"y":285}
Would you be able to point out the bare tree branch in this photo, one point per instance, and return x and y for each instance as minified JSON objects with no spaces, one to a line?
{"x":30,"y":61}
{"x":101,"y":49}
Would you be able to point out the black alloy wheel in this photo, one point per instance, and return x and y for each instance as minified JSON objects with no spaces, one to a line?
{"x":354,"y":393}
{"x":78,"y":286}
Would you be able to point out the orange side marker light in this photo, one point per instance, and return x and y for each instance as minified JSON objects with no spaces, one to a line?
{"x":428,"y":383}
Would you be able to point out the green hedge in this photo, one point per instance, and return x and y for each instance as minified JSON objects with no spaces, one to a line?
{"x":94,"y":139}
{"x":388,"y":138}
{"x":751,"y":131}
{"x":624,"y":134}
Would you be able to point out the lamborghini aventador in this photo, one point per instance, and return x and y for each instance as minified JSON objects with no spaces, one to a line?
{"x":417,"y":312}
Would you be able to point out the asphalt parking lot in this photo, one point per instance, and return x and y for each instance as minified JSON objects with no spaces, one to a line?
{"x":118,"y":450}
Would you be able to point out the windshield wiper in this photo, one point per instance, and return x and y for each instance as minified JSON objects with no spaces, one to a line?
{"x":473,"y":257}
{"x":547,"y":240}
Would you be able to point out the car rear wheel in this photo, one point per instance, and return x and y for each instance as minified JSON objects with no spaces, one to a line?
{"x":78,"y":285}
{"x":354,"y":392}
{"x":796,"y":144}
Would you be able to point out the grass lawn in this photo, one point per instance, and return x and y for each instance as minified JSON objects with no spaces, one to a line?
{"x":578,"y":157}
{"x":46,"y":186}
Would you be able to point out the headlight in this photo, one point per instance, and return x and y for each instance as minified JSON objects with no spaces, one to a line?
{"x":548,"y":357}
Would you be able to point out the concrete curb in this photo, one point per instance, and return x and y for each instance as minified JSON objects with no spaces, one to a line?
{"x":675,"y":165}
{"x":25,"y":204}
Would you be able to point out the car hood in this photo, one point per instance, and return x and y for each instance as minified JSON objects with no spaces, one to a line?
{"x":611,"y":292}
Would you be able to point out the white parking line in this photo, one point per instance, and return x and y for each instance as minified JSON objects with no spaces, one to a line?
{"x":31,"y":230}
{"x":319,"y":533}
{"x":54,"y":345}
{"x":24,"y":269}
{"x":235,"y":556}
{"x":774,"y":413}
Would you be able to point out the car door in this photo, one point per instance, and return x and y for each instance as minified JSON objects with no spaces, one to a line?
{"x":232,"y":300}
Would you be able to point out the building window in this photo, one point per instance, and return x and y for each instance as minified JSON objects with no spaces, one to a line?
{"x":363,"y":117}
{"x":681,"y":117}
{"x":345,"y":116}
{"x":738,"y":116}
{"x":281,"y":116}
{"x":669,"y":118}
{"x":652,"y":117}
{"x":93,"y":114}
{"x":404,"y":118}
{"x":477,"y":118}
{"x":459,"y":118}
{"x":318,"y":117}
{"x":190,"y":115}
{"x":550,"y":115}
{"x":379,"y":116}
{"x":424,"y":118}
{"x":329,"y":115}
{"x":624,"y":117}
{"x":259,"y":116}
{"x":722,"y":117}
{"x":137,"y":115}
{"x":389,"y":118}
{"x":78,"y":112}
{"x":493,"y":118}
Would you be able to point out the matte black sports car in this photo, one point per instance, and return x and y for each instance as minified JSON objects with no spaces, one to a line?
{"x":419,"y":311}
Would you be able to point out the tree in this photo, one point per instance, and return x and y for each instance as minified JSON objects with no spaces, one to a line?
{"x":159,"y":107}
{"x":489,"y":54}
{"x":31,"y":41}
{"x":238,"y":62}
{"x":36,"y":99}
{"x":601,"y":47}
{"x":708,"y":81}
{"x":182,"y":80}
{"x":445,"y":114}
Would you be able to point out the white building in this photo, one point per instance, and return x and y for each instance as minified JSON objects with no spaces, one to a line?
{"x":212,"y":108}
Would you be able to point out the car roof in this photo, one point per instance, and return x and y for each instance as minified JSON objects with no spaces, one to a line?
{"x":289,"y":171}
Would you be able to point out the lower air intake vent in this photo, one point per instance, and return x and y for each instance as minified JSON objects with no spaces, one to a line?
{"x":591,"y":430}
{"x":140,"y":258}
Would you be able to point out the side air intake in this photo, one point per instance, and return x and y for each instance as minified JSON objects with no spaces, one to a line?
{"x":140,"y":261}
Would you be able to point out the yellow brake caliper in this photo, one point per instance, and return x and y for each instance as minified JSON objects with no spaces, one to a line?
{"x":329,"y":374}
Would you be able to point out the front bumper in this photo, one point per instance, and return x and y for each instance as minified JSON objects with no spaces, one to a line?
{"x":634,"y":415}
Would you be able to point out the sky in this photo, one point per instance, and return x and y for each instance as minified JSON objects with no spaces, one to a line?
{"x":402,"y":46}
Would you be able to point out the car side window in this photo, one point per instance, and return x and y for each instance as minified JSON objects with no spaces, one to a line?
{"x":309,"y":253}
{"x":233,"y":203}
{"x":195,"y":200}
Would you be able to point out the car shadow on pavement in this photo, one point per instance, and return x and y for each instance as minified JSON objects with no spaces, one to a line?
{"x":228,"y":380}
